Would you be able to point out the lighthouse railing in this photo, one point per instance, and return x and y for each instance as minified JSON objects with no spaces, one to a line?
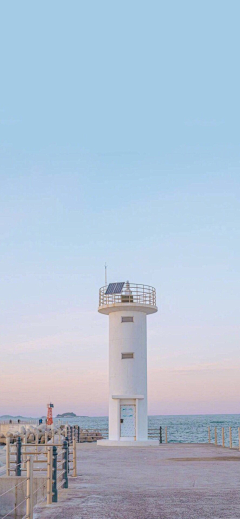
{"x":131,"y":293}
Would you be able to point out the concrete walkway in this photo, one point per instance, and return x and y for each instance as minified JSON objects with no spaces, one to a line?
{"x":170,"y":481}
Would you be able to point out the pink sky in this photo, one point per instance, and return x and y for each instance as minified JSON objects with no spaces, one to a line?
{"x":184,"y":377}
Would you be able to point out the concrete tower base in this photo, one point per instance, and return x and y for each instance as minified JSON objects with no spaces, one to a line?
{"x":119,"y":443}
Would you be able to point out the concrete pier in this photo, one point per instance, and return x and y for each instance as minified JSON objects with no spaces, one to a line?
{"x":176,"y":481}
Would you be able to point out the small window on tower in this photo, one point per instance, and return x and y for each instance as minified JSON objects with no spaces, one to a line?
{"x":127,"y":356}
{"x":127,"y":319}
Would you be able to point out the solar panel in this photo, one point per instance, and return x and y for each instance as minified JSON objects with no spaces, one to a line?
{"x":114,"y":288}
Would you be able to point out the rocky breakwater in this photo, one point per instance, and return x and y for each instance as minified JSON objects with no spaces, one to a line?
{"x":39,"y":434}
{"x":33,"y":434}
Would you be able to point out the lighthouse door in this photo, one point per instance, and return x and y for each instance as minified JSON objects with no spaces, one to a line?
{"x":128,"y":421}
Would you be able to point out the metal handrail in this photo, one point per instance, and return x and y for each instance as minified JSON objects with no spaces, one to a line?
{"x":131,"y":293}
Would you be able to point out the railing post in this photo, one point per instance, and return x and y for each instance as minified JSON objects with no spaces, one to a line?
{"x":66,"y":431}
{"x":215,"y":434}
{"x":165,"y":434}
{"x":7,"y":456}
{"x":54,"y":474}
{"x":209,"y":435}
{"x":67,"y":440}
{"x":18,"y":456}
{"x":65,"y":464}
{"x":49,"y":475}
{"x":78,"y":434}
{"x":46,"y":440}
{"x":24,"y":450}
{"x":29,"y":498}
{"x":36,"y":447}
{"x":223,"y":440}
{"x":230,"y":437}
{"x":74,"y":458}
{"x":160,"y":434}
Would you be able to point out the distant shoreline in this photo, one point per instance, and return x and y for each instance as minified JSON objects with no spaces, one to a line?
{"x":15,"y":417}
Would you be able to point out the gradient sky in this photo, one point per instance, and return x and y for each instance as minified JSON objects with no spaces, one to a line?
{"x":119,"y":142}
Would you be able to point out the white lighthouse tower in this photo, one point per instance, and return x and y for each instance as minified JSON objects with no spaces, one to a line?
{"x":127,"y":305}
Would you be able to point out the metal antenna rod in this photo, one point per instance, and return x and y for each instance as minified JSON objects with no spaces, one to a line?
{"x":105,"y":274}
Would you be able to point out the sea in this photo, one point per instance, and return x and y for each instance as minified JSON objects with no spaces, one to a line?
{"x":180,"y":428}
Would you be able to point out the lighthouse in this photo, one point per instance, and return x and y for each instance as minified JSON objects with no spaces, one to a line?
{"x":127,"y":305}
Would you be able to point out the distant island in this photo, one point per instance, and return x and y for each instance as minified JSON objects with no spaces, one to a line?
{"x":66,"y":415}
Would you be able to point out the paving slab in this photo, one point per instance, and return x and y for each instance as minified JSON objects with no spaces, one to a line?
{"x":177,"y":481}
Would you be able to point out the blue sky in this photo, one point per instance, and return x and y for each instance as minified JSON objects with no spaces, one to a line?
{"x":119,"y":142}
